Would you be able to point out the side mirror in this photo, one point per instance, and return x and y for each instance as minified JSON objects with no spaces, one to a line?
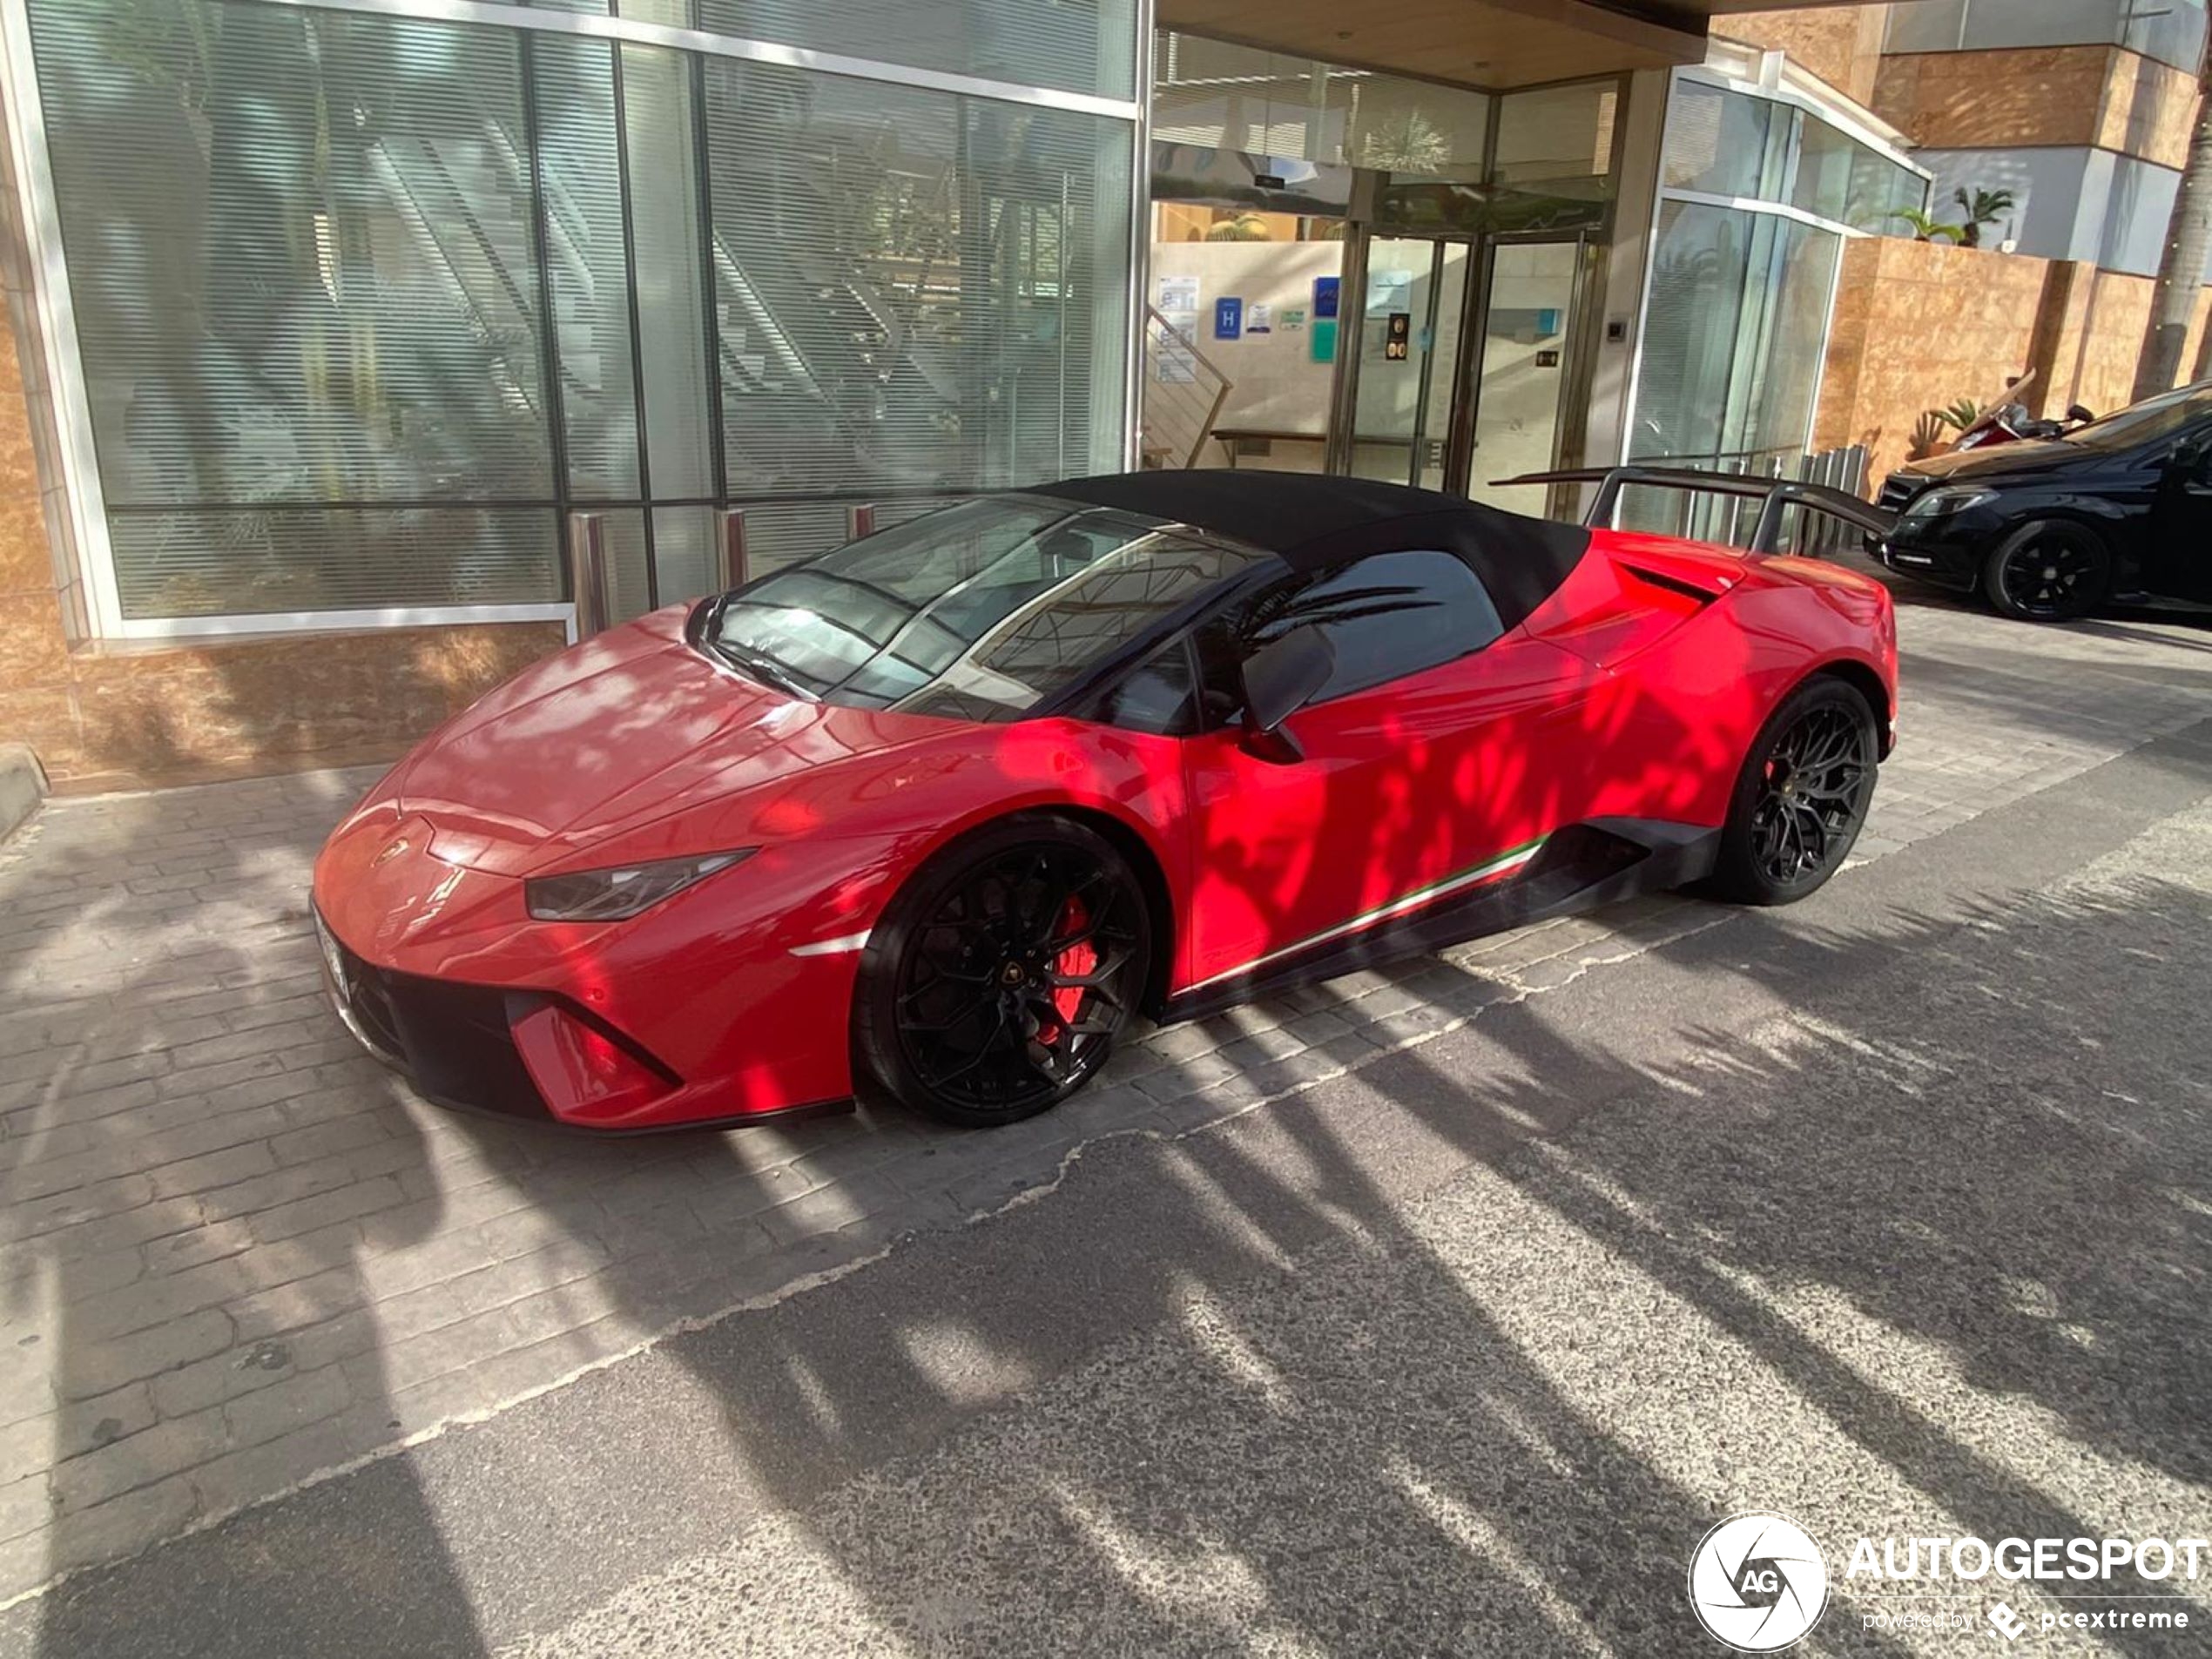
{"x":1280,"y":678}
{"x":2079,"y":415}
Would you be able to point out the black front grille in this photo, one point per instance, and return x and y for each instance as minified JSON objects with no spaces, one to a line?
{"x":453,"y":1041}
{"x":1898,"y":489}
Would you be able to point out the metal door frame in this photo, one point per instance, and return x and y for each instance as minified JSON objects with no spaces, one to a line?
{"x":1577,"y":361}
{"x":1576,"y":351}
{"x":1344,"y":406}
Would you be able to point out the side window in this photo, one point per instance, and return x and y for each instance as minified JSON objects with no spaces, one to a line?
{"x":1155,"y":698}
{"x":1389,"y":615}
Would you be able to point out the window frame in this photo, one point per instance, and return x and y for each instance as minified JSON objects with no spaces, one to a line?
{"x":73,"y":475}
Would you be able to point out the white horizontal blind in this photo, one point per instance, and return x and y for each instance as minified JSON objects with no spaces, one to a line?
{"x":914,"y":291}
{"x":300,"y":252}
{"x":1074,"y":45}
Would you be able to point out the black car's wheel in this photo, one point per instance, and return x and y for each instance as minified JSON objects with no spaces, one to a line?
{"x":2048,"y":570}
{"x":1801,"y":798}
{"x":1001,"y":974}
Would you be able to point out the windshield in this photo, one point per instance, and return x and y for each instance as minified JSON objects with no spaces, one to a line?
{"x":2147,"y":421}
{"x":978,"y":613}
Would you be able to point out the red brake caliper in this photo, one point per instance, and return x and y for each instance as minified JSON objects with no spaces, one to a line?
{"x":1074,"y":961}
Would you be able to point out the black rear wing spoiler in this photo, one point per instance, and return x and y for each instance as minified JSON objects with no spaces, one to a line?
{"x":1775,"y":495}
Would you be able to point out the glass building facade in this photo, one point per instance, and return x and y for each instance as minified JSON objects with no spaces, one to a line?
{"x":366,"y":304}
{"x":1758,"y":195}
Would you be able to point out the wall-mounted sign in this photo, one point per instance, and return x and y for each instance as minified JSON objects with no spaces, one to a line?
{"x":1398,"y":334}
{"x":1178,"y":293}
{"x":1324,"y":295}
{"x":1293,"y":319}
{"x":1228,"y":318}
{"x":1259,"y":318}
{"x":1323,"y":347}
{"x":1547,"y":359}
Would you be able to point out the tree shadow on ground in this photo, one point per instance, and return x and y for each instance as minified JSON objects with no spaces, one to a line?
{"x":1334,"y":1427}
{"x":194,"y":1177}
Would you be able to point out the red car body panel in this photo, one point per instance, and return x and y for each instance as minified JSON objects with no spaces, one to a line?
{"x":1633,"y":692}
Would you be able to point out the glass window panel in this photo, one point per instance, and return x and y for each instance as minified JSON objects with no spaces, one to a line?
{"x":1826,"y":161}
{"x":622,"y":533}
{"x":1228,"y":96}
{"x":1079,"y":45}
{"x":1557,"y":133}
{"x":1733,"y":337}
{"x":916,"y":291}
{"x":580,"y":177}
{"x":1784,"y":370}
{"x":1723,"y":143}
{"x":686,"y":554}
{"x":1700,"y":260}
{"x":270,"y":560}
{"x":1387,"y":617}
{"x":300,"y":252}
{"x":664,"y":228}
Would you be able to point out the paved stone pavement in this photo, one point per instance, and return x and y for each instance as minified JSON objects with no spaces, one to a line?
{"x":237,"y":1255}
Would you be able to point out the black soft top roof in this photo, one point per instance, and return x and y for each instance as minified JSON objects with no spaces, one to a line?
{"x":1318,"y":523}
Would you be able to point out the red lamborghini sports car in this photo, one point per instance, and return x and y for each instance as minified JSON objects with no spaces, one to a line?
{"x":938,"y":814}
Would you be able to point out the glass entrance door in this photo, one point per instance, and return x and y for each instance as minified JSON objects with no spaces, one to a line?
{"x":1462,"y":355}
{"x":1406,"y":331}
{"x":1521,"y":369}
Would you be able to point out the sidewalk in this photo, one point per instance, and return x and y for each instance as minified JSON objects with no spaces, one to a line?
{"x":237,"y":1254}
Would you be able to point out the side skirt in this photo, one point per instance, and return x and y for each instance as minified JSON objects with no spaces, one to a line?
{"x":1579,"y":868}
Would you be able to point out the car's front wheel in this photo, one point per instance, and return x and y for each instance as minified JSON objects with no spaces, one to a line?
{"x":2047,"y":570}
{"x":1801,"y":798}
{"x":1001,"y":974}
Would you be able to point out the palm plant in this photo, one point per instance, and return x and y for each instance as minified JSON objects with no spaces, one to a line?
{"x":1927,"y":227}
{"x":1981,"y":207}
{"x":1961,"y":415}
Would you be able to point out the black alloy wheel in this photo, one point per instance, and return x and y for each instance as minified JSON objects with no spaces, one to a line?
{"x":1802,"y":797}
{"x":1002,"y":974}
{"x":2048,"y":570}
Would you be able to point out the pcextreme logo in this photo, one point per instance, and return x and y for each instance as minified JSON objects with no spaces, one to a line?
{"x":1758,"y":1582}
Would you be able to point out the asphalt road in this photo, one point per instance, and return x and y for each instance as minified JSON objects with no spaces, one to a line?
{"x":1891,"y":1212}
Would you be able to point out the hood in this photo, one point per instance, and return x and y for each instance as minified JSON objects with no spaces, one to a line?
{"x":2004,"y":460}
{"x":615,"y":732}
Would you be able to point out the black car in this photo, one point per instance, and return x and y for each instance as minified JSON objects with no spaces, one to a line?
{"x":2119,"y":510}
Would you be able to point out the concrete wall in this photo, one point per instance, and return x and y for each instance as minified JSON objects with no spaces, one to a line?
{"x":1920,"y":325}
{"x":123,"y":713}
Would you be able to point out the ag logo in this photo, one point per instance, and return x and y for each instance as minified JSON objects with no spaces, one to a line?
{"x":1758,"y":1582}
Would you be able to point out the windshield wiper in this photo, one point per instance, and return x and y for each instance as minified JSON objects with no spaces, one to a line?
{"x":761,"y":666}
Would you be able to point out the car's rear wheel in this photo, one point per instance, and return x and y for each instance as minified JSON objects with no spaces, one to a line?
{"x":2048,"y":570}
{"x":1001,"y":973}
{"x":1801,"y":798}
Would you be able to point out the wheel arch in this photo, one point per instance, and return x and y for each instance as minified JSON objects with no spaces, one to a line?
{"x":1862,"y":679}
{"x":1152,"y":877}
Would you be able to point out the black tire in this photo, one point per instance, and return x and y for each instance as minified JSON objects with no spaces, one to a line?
{"x":1801,"y":798}
{"x":976,"y":1004}
{"x":2049,"y":569}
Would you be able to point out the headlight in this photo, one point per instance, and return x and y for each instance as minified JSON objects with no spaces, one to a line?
{"x":1942,"y":504}
{"x":615,"y":895}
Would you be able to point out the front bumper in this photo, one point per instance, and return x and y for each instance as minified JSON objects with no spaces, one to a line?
{"x":453,"y":1043}
{"x":1939,"y":552}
